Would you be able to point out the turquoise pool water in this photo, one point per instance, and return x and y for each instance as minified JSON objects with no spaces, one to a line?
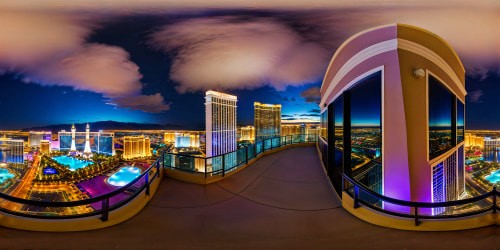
{"x":73,"y":163}
{"x":5,"y":175}
{"x":124,"y":176}
{"x":494,"y":177}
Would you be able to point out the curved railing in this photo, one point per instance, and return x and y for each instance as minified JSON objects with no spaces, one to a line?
{"x":222,"y":164}
{"x":100,"y":205}
{"x":420,"y":210}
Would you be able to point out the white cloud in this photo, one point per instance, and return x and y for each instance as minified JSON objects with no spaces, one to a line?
{"x":229,"y":53}
{"x":29,"y":38}
{"x":95,"y":67}
{"x":50,"y":49}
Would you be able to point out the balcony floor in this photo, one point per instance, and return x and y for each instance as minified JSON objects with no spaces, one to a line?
{"x":282,"y":201}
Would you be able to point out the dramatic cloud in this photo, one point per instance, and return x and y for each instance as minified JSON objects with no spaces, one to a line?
{"x":311,"y":95}
{"x":315,"y":111}
{"x":475,"y":96}
{"x":50,"y":49}
{"x":101,"y":69}
{"x":98,"y":68}
{"x":29,"y":38}
{"x":232,"y":53}
{"x":148,"y":103}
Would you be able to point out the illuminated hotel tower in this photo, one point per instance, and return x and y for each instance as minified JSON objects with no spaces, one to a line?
{"x":394,"y":101}
{"x":267,"y":119}
{"x":87,"y":140}
{"x":73,"y":135}
{"x":220,"y":122}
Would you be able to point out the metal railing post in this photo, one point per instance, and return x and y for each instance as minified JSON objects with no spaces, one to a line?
{"x":105,"y":209}
{"x":246,"y":155}
{"x":494,"y":199}
{"x":223,"y":165}
{"x":356,"y":196}
{"x":146,"y":179}
{"x":417,"y":222}
{"x":158,"y":168}
{"x":206,"y":168}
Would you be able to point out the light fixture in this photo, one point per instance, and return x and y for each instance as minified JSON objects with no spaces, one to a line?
{"x":419,"y":73}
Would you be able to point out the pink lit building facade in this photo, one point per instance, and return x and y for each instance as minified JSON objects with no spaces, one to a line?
{"x":392,"y":104}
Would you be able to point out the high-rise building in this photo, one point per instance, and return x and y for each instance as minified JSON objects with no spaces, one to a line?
{"x":11,"y":150}
{"x":45,"y":146}
{"x":267,"y":120}
{"x":169,"y":137}
{"x":187,"y":140}
{"x":478,"y":141}
{"x":291,"y":129}
{"x":246,"y":133}
{"x":36,"y":136}
{"x":136,"y":146}
{"x":220,"y":123}
{"x":394,"y":98}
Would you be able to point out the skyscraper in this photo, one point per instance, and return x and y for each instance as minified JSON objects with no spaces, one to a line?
{"x":267,"y":119}
{"x":220,"y":123}
{"x":136,"y":146}
{"x":11,"y":150}
{"x":45,"y":146}
{"x":35,"y":137}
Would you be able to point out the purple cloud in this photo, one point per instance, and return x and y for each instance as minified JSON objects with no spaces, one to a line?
{"x":230,"y":53}
{"x":311,"y":95}
{"x":475,"y":96}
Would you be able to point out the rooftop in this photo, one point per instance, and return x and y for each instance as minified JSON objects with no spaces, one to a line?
{"x":282,"y":201}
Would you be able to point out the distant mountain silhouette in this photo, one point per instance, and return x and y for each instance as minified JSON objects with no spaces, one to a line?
{"x":105,"y":125}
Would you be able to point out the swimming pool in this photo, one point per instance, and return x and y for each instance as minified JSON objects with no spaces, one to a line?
{"x":494,"y":177}
{"x":73,"y":163}
{"x":124,"y":176}
{"x":5,"y":175}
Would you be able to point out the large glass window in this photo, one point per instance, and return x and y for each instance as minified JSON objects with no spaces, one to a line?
{"x":440,"y":118}
{"x":366,"y":131}
{"x":338,"y":115}
{"x":338,"y":149}
{"x":460,"y":121}
{"x":324,"y":125}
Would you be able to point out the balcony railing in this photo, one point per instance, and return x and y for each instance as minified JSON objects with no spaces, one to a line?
{"x":101,"y":205}
{"x":221,"y":164}
{"x":420,"y":210}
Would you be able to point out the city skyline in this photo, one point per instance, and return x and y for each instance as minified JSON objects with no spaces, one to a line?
{"x":145,"y":80}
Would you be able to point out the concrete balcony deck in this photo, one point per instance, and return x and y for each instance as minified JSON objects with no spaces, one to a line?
{"x":282,"y":201}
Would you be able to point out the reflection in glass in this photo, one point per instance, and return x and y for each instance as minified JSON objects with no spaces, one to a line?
{"x":460,"y":121}
{"x":324,"y":125}
{"x":366,"y":132}
{"x":338,"y":106}
{"x":338,"y":128}
{"x":440,"y":118}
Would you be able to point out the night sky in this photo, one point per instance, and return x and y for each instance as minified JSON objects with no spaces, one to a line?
{"x":152,"y":64}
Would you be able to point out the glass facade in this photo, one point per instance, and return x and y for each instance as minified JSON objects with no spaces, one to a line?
{"x":324,"y":125}
{"x":366,"y":131}
{"x":460,"y":121}
{"x":441,"y":104}
{"x":99,"y":142}
{"x":106,"y":144}
{"x":338,"y":106}
{"x":338,"y":133}
{"x":267,"y":119}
